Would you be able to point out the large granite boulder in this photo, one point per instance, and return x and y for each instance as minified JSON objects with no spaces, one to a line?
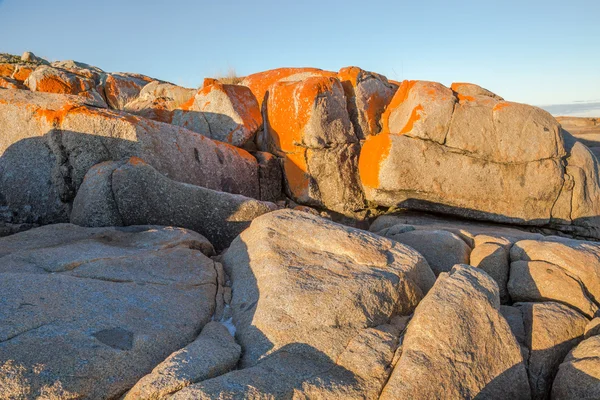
{"x":288,"y":264}
{"x":120,"y":88}
{"x":232,"y":111}
{"x":56,"y":80}
{"x":133,"y":193}
{"x":316,"y":308}
{"x":480,"y":157}
{"x":458,"y":345}
{"x":87,"y":312}
{"x":307,"y":124}
{"x":48,"y":142}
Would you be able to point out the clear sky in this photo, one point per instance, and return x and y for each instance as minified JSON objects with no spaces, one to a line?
{"x":538,"y":52}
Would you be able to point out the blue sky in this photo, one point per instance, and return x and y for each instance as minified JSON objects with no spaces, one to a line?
{"x":538,"y":52}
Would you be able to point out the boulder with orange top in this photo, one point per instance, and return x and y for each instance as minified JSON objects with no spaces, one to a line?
{"x":260,"y":82}
{"x":57,"y":80}
{"x":121,"y":88}
{"x":168,"y":103}
{"x":232,"y":111}
{"x":308,"y":126}
{"x":48,"y":142}
{"x":367,"y":95}
{"x":476,"y":156}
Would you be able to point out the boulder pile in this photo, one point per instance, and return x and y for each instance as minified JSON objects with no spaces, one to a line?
{"x":302,"y":234}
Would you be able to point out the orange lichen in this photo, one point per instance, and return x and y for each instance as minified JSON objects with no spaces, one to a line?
{"x":349,"y":78}
{"x":399,"y":98}
{"x":463,"y":98}
{"x":22,"y":73}
{"x":6,"y":70}
{"x":289,"y":108}
{"x":374,"y":151}
{"x":500,"y":105}
{"x":260,"y":82}
{"x":8,"y":84}
{"x":55,"y":117}
{"x":414,"y":117}
{"x":456,"y":85}
{"x":136,"y":161}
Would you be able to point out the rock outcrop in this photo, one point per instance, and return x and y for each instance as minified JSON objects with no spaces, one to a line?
{"x":86,"y":312}
{"x":465,"y":155}
{"x":458,"y":345}
{"x":134,"y":193}
{"x":50,"y":141}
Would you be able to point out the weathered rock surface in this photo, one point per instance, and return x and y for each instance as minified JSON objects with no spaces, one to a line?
{"x":86,"y":312}
{"x":48,"y":142}
{"x":458,"y":345}
{"x":359,"y":373}
{"x":261,"y":82}
{"x":133,"y":193}
{"x":465,"y":155}
{"x":565,"y":271}
{"x":55,"y":80}
{"x":578,"y":376}
{"x":213,"y":353}
{"x":168,"y":103}
{"x":289,"y":264}
{"x":319,"y":149}
{"x":441,"y":249}
{"x":552,"y":329}
{"x":232,"y":111}
{"x":367,"y":95}
{"x":121,"y":88}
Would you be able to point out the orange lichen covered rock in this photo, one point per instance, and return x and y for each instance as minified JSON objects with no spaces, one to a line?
{"x":121,"y":88}
{"x":6,"y":70}
{"x":171,"y":104}
{"x":471,"y":154}
{"x":232,"y":111}
{"x":8,"y":83}
{"x":309,"y":127}
{"x":420,"y":109}
{"x":260,"y":82}
{"x":48,"y":142}
{"x":367,"y":94}
{"x":55,"y":80}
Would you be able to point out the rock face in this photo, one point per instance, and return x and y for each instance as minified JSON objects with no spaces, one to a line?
{"x":458,"y":345}
{"x":86,"y":312}
{"x":49,"y":142}
{"x":552,"y":329}
{"x":55,"y":80}
{"x":275,"y":258}
{"x":134,"y":193}
{"x":213,"y":353}
{"x":320,"y":149}
{"x":284,"y":269}
{"x":367,"y":94}
{"x":464,"y":155}
{"x":232,"y":111}
{"x":565,"y":271}
{"x":121,"y":88}
{"x":578,"y":376}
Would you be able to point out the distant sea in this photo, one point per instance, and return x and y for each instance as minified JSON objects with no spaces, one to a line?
{"x":582,"y":109}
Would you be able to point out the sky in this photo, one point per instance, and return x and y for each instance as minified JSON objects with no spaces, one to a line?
{"x":530,"y":51}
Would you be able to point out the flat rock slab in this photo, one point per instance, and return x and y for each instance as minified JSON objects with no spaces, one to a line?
{"x":87,"y":312}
